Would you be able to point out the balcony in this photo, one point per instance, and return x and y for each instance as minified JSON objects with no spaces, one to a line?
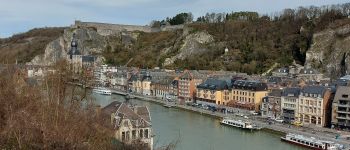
{"x":342,"y":117}
{"x":343,"y":112}
{"x":343,"y":105}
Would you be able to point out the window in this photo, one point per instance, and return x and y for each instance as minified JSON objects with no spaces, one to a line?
{"x":133,"y":132}
{"x":345,"y":96}
{"x":141,"y":133}
{"x":146,"y":133}
{"x":127,"y":137}
{"x":123,"y":136}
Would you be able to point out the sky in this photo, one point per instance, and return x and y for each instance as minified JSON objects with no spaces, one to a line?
{"x":18,"y":16}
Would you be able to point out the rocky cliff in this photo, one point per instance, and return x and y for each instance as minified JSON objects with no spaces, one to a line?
{"x":93,"y":42}
{"x":89,"y":42}
{"x":24,"y":47}
{"x":330,"y":51}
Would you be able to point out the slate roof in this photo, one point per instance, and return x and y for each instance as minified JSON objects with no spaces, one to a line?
{"x":314,"y":90}
{"x":342,"y":90}
{"x":111,"y":108}
{"x":138,"y":115}
{"x":274,"y":80}
{"x":167,"y":80}
{"x":215,"y":84}
{"x":275,"y":93}
{"x":291,"y":91}
{"x":282,"y":70}
{"x":192,"y":74}
{"x":308,"y":71}
{"x":146,"y":77}
{"x":250,"y":85}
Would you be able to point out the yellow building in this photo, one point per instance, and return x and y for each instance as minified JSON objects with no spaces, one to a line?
{"x":248,"y":94}
{"x":213,"y":91}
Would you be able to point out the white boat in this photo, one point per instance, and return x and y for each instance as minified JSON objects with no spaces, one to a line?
{"x":311,"y":142}
{"x":238,"y":123}
{"x":102,"y":91}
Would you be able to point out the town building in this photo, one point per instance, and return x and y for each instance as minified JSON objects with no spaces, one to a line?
{"x":341,"y":108}
{"x":214,"y":92}
{"x":281,"y":72}
{"x":161,"y":87}
{"x":271,"y":104}
{"x":315,"y":106}
{"x":120,"y":80}
{"x":247,"y":94}
{"x":309,"y":74}
{"x":174,"y":89}
{"x":188,"y":83}
{"x":289,"y":104}
{"x":131,"y":123}
{"x":146,"y":84}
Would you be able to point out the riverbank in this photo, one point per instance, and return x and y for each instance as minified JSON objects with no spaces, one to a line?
{"x":281,"y":129}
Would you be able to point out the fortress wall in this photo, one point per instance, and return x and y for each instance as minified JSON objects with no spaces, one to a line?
{"x":108,"y":29}
{"x":172,"y":28}
{"x":114,"y":27}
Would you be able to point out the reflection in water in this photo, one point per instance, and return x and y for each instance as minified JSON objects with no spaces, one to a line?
{"x":197,"y":132}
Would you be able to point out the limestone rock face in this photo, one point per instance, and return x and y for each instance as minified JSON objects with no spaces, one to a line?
{"x":89,"y":42}
{"x":330,"y":51}
{"x":193,"y":44}
{"x":55,"y":50}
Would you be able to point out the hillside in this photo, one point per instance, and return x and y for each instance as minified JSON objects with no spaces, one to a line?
{"x":25,"y":46}
{"x":254,"y":42}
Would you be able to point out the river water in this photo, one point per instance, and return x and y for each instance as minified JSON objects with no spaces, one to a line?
{"x":193,"y":131}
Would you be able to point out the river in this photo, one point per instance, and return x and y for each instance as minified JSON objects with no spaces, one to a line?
{"x":197,"y":132}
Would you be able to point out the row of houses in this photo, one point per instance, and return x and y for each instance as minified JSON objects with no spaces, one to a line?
{"x":323,"y":105}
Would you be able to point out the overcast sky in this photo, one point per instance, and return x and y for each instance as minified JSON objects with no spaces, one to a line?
{"x":21,"y":15}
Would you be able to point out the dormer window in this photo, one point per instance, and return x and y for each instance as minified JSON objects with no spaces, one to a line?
{"x":126,"y":123}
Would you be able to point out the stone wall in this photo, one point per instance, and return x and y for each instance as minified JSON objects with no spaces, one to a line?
{"x":108,"y":29}
{"x":104,"y":28}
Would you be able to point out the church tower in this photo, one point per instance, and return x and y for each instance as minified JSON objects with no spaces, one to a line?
{"x":74,"y":55}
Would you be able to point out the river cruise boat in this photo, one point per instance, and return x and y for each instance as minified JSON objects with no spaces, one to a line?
{"x":102,"y":91}
{"x":239,"y":124}
{"x":311,"y":142}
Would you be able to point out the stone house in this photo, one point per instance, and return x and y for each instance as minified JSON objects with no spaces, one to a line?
{"x":131,"y":123}
{"x":315,"y":106}
{"x":161,"y":86}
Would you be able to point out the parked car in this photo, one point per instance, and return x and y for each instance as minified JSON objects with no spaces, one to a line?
{"x":297,"y":123}
{"x":255,"y":113}
{"x":246,"y":117}
{"x":241,"y":115}
{"x":279,"y":120}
